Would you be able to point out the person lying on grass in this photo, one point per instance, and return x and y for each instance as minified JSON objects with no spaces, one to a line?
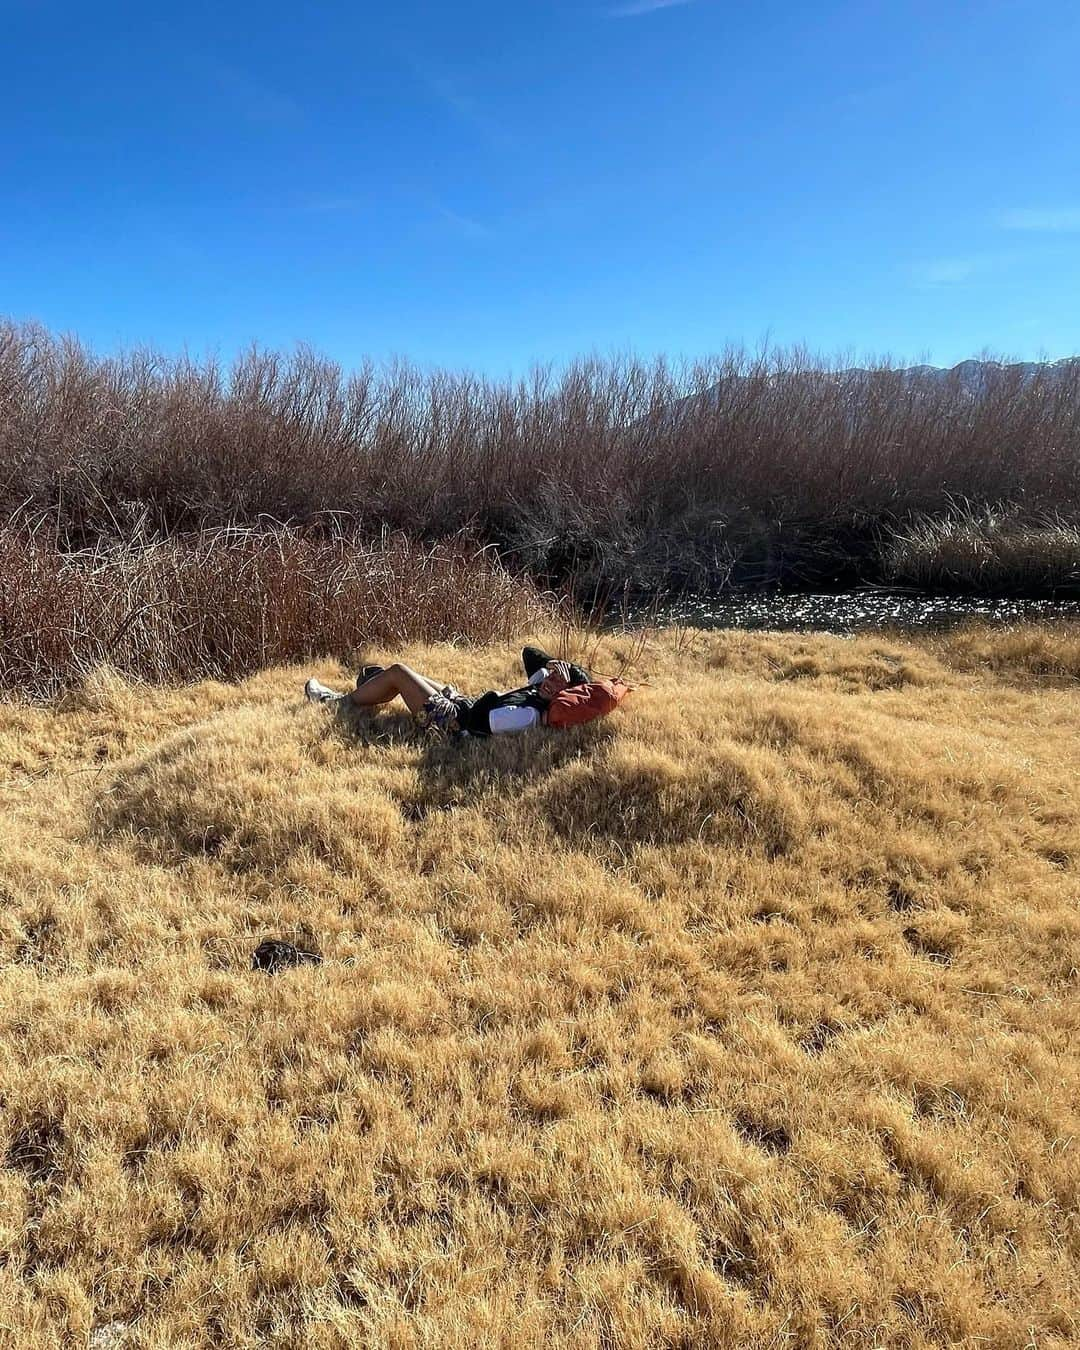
{"x":441,"y":707}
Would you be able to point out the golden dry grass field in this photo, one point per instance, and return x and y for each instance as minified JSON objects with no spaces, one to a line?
{"x":747,"y":1017}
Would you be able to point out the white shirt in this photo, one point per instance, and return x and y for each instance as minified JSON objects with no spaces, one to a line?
{"x":504,"y":720}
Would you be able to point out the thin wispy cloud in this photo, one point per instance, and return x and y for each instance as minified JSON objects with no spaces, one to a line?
{"x":954,"y":271}
{"x":330,"y":206}
{"x":316,"y":205}
{"x":638,"y":7}
{"x":464,"y":105}
{"x":873,"y":95}
{"x":465,"y":226}
{"x":1041,"y":220}
{"x":252,"y":97}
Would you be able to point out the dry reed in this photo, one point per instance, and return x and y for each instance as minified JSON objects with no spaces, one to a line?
{"x":987,"y":552}
{"x":226,"y":602}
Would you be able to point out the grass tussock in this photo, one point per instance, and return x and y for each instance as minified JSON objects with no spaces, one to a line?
{"x":228,"y":602}
{"x":1024,"y":653}
{"x":622,"y":474}
{"x":987,"y":552}
{"x":745,"y":1017}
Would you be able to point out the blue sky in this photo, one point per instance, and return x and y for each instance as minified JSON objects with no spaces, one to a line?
{"x":493,"y":182}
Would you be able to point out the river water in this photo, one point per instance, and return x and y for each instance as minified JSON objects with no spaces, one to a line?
{"x":846,"y":611}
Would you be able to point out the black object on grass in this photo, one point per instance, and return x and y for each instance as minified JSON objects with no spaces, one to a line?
{"x":274,"y":955}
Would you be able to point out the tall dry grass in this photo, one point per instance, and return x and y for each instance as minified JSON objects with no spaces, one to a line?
{"x":754,"y":469}
{"x":987,"y":552}
{"x":747,"y":1018}
{"x":224,"y":603}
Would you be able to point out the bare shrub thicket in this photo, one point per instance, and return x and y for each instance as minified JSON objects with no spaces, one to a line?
{"x":228,"y":602}
{"x":753,"y":469}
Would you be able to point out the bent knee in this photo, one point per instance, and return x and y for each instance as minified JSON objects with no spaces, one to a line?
{"x":403,"y":674}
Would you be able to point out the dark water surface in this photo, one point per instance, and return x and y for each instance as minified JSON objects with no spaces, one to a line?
{"x":847,"y":611}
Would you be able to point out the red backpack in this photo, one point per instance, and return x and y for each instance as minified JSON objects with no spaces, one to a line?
{"x":579,"y":703}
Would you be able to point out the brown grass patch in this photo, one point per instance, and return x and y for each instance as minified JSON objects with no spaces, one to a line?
{"x":745,"y":1018}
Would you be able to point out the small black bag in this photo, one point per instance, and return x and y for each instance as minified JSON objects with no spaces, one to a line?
{"x":274,"y":955}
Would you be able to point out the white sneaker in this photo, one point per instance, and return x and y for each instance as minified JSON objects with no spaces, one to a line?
{"x":315,"y":692}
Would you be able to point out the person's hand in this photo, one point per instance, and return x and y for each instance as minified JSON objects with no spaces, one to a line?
{"x":557,"y":679}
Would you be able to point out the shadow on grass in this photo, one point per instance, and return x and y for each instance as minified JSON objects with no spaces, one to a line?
{"x":458,"y":772}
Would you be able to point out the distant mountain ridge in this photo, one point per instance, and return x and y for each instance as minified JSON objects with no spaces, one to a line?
{"x":974,"y":376}
{"x":972,"y":379}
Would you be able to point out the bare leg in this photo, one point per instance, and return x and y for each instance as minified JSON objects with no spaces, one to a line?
{"x":395,"y":681}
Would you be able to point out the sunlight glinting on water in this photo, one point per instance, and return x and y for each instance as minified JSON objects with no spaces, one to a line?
{"x":847,"y":612}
